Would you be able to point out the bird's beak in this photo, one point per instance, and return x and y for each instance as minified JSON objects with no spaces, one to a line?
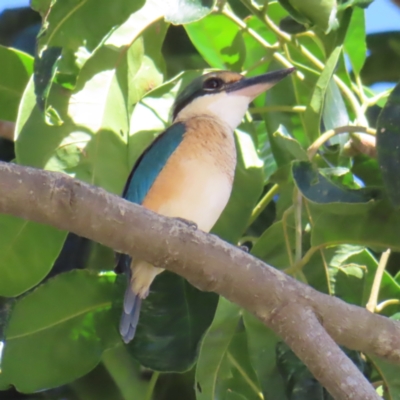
{"x":252,"y":87}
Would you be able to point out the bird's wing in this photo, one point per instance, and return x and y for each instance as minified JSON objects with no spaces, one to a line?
{"x":145,"y":172}
{"x":151,"y":162}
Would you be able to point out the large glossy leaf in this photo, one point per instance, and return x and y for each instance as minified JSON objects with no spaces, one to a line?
{"x":334,"y":113}
{"x":262,"y":350}
{"x":91,"y":144}
{"x":319,"y":13}
{"x":255,"y":52}
{"x":221,"y":48}
{"x":213,"y":369}
{"x":28,"y":251}
{"x":70,"y":35}
{"x":298,"y":380}
{"x":390,"y":374}
{"x":264,"y":150}
{"x":272,"y":248}
{"x":58,"y":332}
{"x":358,"y":225}
{"x":388,"y":145}
{"x":15,"y":70}
{"x":317,"y":188}
{"x":352,"y":269}
{"x":314,"y":109}
{"x":354,"y":44}
{"x":289,"y":145}
{"x":173,"y":319}
{"x":243,"y":380}
{"x":186,"y":11}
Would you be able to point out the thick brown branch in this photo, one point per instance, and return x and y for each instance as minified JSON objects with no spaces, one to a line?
{"x":210,"y":264}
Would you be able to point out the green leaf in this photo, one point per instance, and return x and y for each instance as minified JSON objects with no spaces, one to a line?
{"x":70,"y":35}
{"x":388,"y":145}
{"x":91,"y":143}
{"x":335,"y":113}
{"x":316,"y":188}
{"x":383,"y":60}
{"x":286,"y":94}
{"x":58,"y":332}
{"x":187,"y":11}
{"x":352,"y":3}
{"x":299,"y":381}
{"x":211,"y":370}
{"x":289,"y":145}
{"x":355,"y":44}
{"x":271,"y":247}
{"x":41,"y":6}
{"x":349,"y":268}
{"x":390,"y":374}
{"x":28,"y":251}
{"x":221,"y":48}
{"x":15,"y":69}
{"x":314,"y":109}
{"x":262,"y":344}
{"x":319,"y":13}
{"x":264,"y":150}
{"x":255,"y":52}
{"x":173,"y":319}
{"x":243,"y":378}
{"x":359,"y":224}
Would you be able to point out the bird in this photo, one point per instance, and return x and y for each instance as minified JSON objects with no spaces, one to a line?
{"x":188,"y":170}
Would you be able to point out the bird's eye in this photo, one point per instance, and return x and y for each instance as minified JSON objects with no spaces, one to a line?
{"x":213,"y":83}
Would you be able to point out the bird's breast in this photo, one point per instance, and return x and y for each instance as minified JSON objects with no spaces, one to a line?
{"x":196,"y":182}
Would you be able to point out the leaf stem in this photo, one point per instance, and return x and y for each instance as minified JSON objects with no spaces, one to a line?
{"x":299,"y":265}
{"x":285,"y":234}
{"x":279,"y":57}
{"x":152,"y":385}
{"x":373,"y":298}
{"x":306,"y":53}
{"x":297,"y":200}
{"x":293,"y":109}
{"x":259,"y":208}
{"x":239,"y":22}
{"x":312,"y":150}
{"x":386,"y":303}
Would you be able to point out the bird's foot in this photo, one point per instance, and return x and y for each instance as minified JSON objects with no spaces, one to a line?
{"x":190,"y":224}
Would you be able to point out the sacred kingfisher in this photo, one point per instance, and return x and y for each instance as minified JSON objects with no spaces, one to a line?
{"x":187,"y":172}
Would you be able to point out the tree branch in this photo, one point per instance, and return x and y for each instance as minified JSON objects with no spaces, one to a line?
{"x":302,"y":316}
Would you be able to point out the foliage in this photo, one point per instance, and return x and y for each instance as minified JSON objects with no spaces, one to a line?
{"x":99,"y":91}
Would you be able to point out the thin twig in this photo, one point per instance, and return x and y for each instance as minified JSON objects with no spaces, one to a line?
{"x":373,"y":297}
{"x":386,"y":303}
{"x":292,"y":109}
{"x":260,"y":207}
{"x":312,"y":150}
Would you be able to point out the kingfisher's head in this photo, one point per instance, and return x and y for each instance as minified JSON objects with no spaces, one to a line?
{"x":224,"y":95}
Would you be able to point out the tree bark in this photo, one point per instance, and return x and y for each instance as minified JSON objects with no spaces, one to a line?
{"x":306,"y":319}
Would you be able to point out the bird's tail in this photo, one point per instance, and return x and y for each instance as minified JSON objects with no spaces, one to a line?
{"x":140,"y":276}
{"x":130,"y":314}
{"x":132,"y":301}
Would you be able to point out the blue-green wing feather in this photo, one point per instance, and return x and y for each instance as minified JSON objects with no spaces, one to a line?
{"x":141,"y":179}
{"x":151,"y":163}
